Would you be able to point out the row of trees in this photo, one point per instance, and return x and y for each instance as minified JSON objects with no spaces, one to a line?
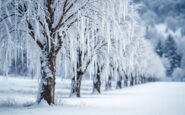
{"x":74,"y":38}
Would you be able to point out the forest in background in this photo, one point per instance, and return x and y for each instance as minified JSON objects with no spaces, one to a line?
{"x":164,"y":20}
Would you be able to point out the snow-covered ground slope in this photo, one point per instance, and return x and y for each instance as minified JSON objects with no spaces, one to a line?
{"x":160,"y":98}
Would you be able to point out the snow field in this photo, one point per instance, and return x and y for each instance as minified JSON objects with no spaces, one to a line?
{"x":160,"y":98}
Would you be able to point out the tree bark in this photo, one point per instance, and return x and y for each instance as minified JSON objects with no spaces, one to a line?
{"x":47,"y":83}
{"x":109,"y":83}
{"x":126,"y":81}
{"x":142,"y":79}
{"x":132,"y":80}
{"x":97,"y":82}
{"x":76,"y":84}
{"x":135,"y":80}
{"x":119,"y":82}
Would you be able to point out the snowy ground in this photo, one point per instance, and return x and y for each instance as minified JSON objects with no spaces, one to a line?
{"x":162,"y":98}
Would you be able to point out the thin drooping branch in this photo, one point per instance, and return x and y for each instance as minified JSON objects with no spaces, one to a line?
{"x":33,"y":35}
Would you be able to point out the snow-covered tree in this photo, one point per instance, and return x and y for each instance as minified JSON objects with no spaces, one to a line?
{"x":86,"y":46}
{"x":170,"y":52}
{"x":47,"y":23}
{"x":74,"y":38}
{"x":159,"y":48}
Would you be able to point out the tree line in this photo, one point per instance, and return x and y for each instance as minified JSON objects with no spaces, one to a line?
{"x":76,"y":38}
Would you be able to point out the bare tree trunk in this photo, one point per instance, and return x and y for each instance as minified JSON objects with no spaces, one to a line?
{"x":135,"y":80}
{"x":139,"y":80}
{"x":119,"y":82}
{"x":76,"y":84}
{"x":73,"y":86}
{"x":109,"y":83}
{"x":47,"y":83}
{"x":126,"y":81}
{"x":97,"y":82}
{"x":142,"y":79}
{"x":132,"y":80}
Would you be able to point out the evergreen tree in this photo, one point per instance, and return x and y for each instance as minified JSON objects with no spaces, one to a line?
{"x":159,"y":49}
{"x":170,"y":52}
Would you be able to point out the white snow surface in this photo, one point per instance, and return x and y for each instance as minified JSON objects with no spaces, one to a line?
{"x":159,"y":98}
